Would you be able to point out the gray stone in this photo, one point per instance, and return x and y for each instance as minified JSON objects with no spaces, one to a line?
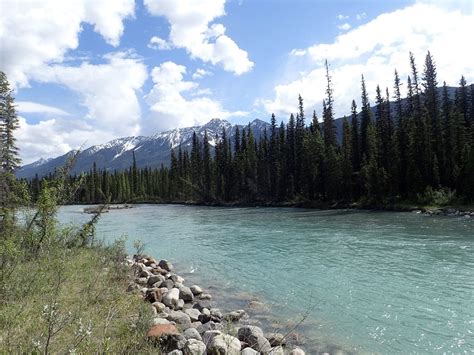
{"x":154,"y":279}
{"x":223,"y":344}
{"x":180,"y":318}
{"x":204,"y":318}
{"x":159,"y":320}
{"x":194,"y":347}
{"x":192,"y":333}
{"x":196,"y":290}
{"x":179,"y":304}
{"x":164,"y":264}
{"x":297,"y":351}
{"x":205,"y":296}
{"x":200,"y":305}
{"x":254,"y":337}
{"x":193,"y":313}
{"x":209,"y":326}
{"x":160,"y":307}
{"x":175,"y":352}
{"x":234,"y":316}
{"x":169,"y":284}
{"x":249,"y":351}
{"x":171,"y":298}
{"x":186,"y":294}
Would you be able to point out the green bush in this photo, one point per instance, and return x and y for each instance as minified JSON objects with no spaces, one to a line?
{"x":439,"y":197}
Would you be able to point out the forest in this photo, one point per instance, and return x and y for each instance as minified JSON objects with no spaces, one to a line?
{"x":419,"y":149}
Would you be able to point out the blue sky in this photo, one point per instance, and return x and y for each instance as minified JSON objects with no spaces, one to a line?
{"x":87,"y":71}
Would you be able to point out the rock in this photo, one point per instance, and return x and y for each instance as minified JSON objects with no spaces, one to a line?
{"x":164,"y":264}
{"x":144,"y":273}
{"x":204,"y":318}
{"x":171,"y":297}
{"x":185,"y":294}
{"x":175,"y":352}
{"x":159,"y":320}
{"x":192,"y":333}
{"x":180,"y":318}
{"x":205,"y":296}
{"x":223,"y":344}
{"x":275,"y":339}
{"x":203,"y":328}
{"x":193,"y":313}
{"x":141,"y":280}
{"x":169,"y":284}
{"x":153,"y":295}
{"x":249,"y":351}
{"x":195,"y":325}
{"x":216,"y":313}
{"x":194,"y":347}
{"x":206,"y":311}
{"x":132,"y":286}
{"x":209,"y":335}
{"x":257,"y":306}
{"x":254,"y":337}
{"x":200,"y":305}
{"x":297,"y":351}
{"x":160,"y":307}
{"x":148,"y":261}
{"x":154,"y":279}
{"x":278,"y":350}
{"x":176,"y":278}
{"x":180,"y":304}
{"x":159,"y":330}
{"x":234,"y":316}
{"x":196,"y":290}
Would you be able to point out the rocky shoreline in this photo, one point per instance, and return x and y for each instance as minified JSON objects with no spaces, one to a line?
{"x":448,"y":211}
{"x":186,"y":322}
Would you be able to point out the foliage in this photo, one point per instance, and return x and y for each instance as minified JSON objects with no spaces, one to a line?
{"x":439,"y":197}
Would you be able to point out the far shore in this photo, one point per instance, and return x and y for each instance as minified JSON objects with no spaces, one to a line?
{"x":454,"y":210}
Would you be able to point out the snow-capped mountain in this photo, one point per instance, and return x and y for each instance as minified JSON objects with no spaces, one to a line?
{"x":149,"y":151}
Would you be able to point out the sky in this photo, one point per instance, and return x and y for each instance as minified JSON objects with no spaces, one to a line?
{"x":88,"y":71}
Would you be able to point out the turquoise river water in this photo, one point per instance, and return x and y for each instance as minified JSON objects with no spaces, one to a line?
{"x":365,"y":282}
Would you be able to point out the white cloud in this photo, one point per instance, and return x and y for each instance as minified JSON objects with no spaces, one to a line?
{"x":108,"y":91}
{"x":33,"y":33}
{"x":342,"y":17}
{"x":375,"y":49}
{"x":344,"y":27}
{"x":200,"y":73}
{"x":361,"y":16}
{"x":34,"y":107}
{"x":190,"y":29}
{"x":168,"y":103}
{"x":159,"y":43}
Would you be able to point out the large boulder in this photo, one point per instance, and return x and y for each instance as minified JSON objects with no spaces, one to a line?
{"x":185,"y":294}
{"x":155,"y":280}
{"x":253,"y":336}
{"x":235,"y":316}
{"x":171,"y":298}
{"x":164,"y":264}
{"x":249,"y":351}
{"x":200,"y":305}
{"x":180,"y":318}
{"x":169,"y":284}
{"x":160,"y":330}
{"x":194,"y":347}
{"x":223,"y":344}
{"x":159,"y":320}
{"x":275,"y":339}
{"x":297,"y":351}
{"x":277,"y":350}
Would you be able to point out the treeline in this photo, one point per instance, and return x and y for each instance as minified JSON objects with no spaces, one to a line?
{"x":405,"y":149}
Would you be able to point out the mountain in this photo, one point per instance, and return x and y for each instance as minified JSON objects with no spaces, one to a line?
{"x":151,"y":151}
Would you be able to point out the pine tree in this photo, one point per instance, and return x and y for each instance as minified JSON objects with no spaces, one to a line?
{"x":329,"y":127}
{"x":366,"y":119}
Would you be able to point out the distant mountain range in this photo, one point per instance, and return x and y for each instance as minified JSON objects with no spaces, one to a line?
{"x":152,"y":151}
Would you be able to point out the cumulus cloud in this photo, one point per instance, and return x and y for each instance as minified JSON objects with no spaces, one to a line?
{"x":158,"y":43}
{"x":191,"y":28}
{"x":344,"y":27}
{"x":169,"y":105}
{"x":33,"y":33}
{"x":34,"y":107}
{"x":375,"y":49}
{"x":108,"y":91}
{"x":361,"y":16}
{"x":201,"y":73}
{"x":342,"y":17}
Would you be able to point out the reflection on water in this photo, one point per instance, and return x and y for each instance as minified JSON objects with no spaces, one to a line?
{"x":374,"y":281}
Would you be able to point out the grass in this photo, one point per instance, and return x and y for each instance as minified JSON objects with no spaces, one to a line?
{"x":73,"y":300}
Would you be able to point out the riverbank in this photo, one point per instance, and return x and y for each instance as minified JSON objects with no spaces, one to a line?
{"x":186,"y":320}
